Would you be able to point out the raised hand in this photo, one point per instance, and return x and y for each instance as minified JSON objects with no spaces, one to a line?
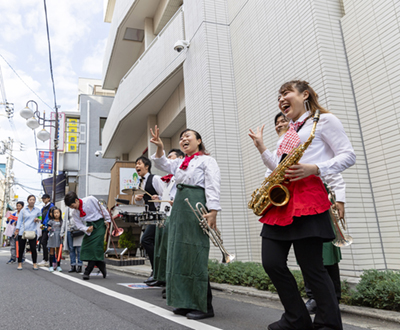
{"x":156,"y":137}
{"x":257,"y":138}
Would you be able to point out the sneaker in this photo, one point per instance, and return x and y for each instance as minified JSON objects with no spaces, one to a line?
{"x":43,"y":263}
{"x":51,"y":269}
{"x":10,"y":261}
{"x":59,"y":269}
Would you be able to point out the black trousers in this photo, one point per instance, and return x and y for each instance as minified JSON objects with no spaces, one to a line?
{"x":100,"y":265}
{"x":334,"y":274}
{"x":44,"y":240}
{"x":148,"y":239}
{"x":32,"y":245}
{"x":309,"y":256}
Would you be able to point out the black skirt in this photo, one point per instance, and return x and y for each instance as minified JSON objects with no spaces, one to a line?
{"x":317,"y":225}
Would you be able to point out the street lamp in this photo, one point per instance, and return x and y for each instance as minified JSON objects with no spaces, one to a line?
{"x":43,"y":134}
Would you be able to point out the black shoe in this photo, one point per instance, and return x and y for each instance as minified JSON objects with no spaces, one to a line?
{"x":182,"y":311}
{"x":311,"y":306}
{"x":199,"y":315}
{"x":79,"y":269}
{"x":150,"y":279}
{"x":156,"y":283}
{"x":85,"y":276}
{"x":72,"y":270}
{"x":164,"y":293}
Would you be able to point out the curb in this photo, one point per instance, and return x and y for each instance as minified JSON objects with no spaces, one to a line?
{"x":379,"y":314}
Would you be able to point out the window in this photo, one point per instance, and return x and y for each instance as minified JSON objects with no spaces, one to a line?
{"x":102,"y":123}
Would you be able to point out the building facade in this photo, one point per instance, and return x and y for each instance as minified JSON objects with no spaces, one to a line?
{"x":87,"y":172}
{"x":227,"y":81}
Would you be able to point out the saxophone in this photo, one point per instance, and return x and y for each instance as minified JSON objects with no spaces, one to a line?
{"x":272,"y":192}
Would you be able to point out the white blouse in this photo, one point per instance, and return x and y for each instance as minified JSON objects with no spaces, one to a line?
{"x":91,"y":207}
{"x":330,"y":150}
{"x":203,"y":171}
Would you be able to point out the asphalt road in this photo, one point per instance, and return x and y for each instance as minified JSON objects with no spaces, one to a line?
{"x":43,"y":300}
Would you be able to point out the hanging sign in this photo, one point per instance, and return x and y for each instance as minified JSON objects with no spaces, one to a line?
{"x":61,"y":131}
{"x":45,"y":162}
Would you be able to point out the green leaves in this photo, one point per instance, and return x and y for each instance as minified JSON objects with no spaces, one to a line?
{"x":378,"y":289}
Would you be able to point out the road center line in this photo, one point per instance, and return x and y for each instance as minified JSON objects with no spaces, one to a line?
{"x":139,"y":303}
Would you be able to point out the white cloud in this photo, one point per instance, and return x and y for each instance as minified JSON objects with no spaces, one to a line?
{"x":93,"y":64}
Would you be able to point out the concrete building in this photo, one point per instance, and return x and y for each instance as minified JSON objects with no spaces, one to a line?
{"x":227,"y":81}
{"x":87,"y":174}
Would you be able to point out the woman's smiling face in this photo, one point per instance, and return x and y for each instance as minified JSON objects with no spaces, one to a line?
{"x":291,"y":103}
{"x":189,"y":144}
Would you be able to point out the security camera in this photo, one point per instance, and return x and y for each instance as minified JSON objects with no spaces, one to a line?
{"x":98,"y":153}
{"x":180,"y":45}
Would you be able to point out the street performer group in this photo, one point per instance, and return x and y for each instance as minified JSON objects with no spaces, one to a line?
{"x":292,"y":204}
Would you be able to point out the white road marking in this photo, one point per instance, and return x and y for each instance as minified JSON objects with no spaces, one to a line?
{"x":138,"y":303}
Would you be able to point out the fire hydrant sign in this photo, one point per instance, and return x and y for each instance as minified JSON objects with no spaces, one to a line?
{"x":45,"y":162}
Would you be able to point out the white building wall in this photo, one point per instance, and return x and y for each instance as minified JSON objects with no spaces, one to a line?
{"x":211,"y":110}
{"x":372,"y":36}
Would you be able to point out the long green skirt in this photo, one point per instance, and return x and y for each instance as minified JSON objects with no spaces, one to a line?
{"x":160,"y":252}
{"x":92,"y":248}
{"x":331,"y":254}
{"x":188,"y":250}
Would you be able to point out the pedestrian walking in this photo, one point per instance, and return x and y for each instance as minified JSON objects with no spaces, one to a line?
{"x":27,"y":230}
{"x":10,"y":232}
{"x":72,"y":242}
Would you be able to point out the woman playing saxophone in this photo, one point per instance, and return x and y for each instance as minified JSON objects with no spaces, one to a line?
{"x":304,"y":221}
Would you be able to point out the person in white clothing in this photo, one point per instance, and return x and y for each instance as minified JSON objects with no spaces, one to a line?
{"x":304,"y":221}
{"x":198,"y":179}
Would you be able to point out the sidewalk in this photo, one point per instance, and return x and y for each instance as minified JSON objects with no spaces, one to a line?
{"x":383,"y":315}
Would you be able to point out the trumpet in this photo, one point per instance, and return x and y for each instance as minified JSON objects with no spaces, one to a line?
{"x":341,"y":239}
{"x":213,"y":234}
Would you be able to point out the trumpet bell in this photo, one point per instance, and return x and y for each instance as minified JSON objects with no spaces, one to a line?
{"x":117,"y":232}
{"x":341,"y":242}
{"x":228,"y":258}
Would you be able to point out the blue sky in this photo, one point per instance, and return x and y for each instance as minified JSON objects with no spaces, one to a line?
{"x":78,"y":37}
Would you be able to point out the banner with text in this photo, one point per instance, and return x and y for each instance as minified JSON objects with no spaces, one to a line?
{"x":45,"y":162}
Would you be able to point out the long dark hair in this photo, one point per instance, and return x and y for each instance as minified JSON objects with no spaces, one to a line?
{"x":202,"y":148}
{"x":51,"y":213}
{"x":301,"y":86}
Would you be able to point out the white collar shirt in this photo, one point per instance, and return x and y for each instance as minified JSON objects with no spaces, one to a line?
{"x":91,"y":206}
{"x":203,"y":171}
{"x":330,"y":150}
{"x":157,"y":183}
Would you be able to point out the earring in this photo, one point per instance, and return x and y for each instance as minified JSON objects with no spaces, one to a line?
{"x":307,"y":105}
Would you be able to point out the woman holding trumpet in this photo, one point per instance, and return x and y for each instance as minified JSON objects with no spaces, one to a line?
{"x":197,"y":177}
{"x":304,"y":221}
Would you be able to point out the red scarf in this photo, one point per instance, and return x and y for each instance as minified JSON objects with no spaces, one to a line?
{"x":167,"y":178}
{"x":187,"y":160}
{"x":81,"y":213}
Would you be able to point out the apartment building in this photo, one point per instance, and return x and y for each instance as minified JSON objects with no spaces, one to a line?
{"x":226,"y":81}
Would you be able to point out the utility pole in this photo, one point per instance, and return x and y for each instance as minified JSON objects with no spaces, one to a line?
{"x":8,"y":182}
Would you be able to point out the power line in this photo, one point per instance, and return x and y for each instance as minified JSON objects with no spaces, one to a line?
{"x":50,"y":62}
{"x":22,"y":161}
{"x":24,"y":82}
